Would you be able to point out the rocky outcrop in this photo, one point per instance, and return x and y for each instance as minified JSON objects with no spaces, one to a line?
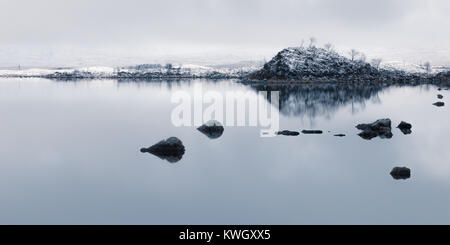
{"x":171,"y":149}
{"x":212,"y":129}
{"x":308,"y":63}
{"x":305,"y":64}
{"x":380,"y":128}
{"x":440,"y":96}
{"x":439,"y":104}
{"x":401,"y":173}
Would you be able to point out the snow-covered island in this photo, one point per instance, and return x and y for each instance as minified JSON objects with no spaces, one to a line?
{"x":295,"y":64}
{"x":320,"y":64}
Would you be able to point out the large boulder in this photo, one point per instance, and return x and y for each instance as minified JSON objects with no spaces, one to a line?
{"x":440,"y":96}
{"x":212,"y":129}
{"x":439,"y":104}
{"x":171,"y":149}
{"x":401,"y":173}
{"x":380,"y":128}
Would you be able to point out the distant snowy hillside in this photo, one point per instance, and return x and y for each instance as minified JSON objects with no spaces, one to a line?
{"x":412,"y":68}
{"x":145,"y":71}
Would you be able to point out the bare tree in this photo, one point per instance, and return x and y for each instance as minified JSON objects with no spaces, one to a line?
{"x":302,"y":43}
{"x":353,"y":53}
{"x":312,"y":42}
{"x":169,"y":68}
{"x":362,"y":57}
{"x":328,"y":47}
{"x":427,"y":66}
{"x":376,"y":63}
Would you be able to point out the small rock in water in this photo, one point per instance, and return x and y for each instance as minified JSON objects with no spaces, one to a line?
{"x":312,"y":131}
{"x":212,"y":129}
{"x":439,"y":89}
{"x":339,"y":135}
{"x":378,"y":125}
{"x":171,"y":149}
{"x":288,"y":133}
{"x":380,"y":128}
{"x":439,"y":104}
{"x":440,"y":96}
{"x":405,"y":127}
{"x":401,"y":173}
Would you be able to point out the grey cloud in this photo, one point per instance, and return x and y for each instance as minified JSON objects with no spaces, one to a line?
{"x":132,"y":24}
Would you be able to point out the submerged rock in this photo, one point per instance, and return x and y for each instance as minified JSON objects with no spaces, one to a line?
{"x":339,"y":135}
{"x":380,"y":128}
{"x":213,"y":129}
{"x":288,"y":133}
{"x":405,"y":127}
{"x":439,"y":104}
{"x":171,"y":149}
{"x":312,"y":131}
{"x":440,"y":96}
{"x":401,"y":173}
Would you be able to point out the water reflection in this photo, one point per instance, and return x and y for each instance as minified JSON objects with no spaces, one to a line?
{"x":323,"y":99}
{"x":240,"y":178}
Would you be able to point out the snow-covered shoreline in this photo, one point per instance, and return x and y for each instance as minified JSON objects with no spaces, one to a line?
{"x":291,"y":64}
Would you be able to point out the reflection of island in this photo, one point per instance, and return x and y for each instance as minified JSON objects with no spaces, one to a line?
{"x":321,"y":99}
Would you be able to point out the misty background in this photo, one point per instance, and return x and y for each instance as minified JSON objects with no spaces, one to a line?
{"x":44,"y":33}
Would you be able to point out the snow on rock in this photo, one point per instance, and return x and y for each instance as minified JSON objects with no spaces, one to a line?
{"x":309,"y":63}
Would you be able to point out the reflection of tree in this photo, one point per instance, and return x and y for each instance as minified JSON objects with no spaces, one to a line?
{"x":323,"y":99}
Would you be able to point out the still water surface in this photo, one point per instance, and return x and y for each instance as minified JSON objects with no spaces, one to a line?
{"x":69,"y":154}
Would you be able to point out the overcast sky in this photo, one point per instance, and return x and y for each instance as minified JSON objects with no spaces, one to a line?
{"x":137,"y":30}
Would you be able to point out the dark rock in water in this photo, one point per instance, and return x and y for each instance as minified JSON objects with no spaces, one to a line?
{"x":378,"y":125}
{"x":213,"y":129}
{"x":171,"y":149}
{"x":339,"y":135}
{"x":288,"y":133}
{"x":439,"y":89}
{"x":401,"y":173}
{"x":381,"y":128}
{"x":440,"y":96}
{"x":439,"y":104}
{"x":312,"y":131}
{"x":405,"y":127}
